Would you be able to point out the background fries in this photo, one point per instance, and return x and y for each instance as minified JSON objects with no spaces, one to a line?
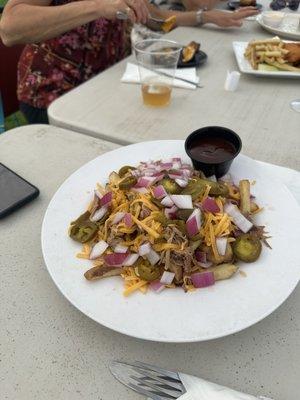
{"x":271,"y":52}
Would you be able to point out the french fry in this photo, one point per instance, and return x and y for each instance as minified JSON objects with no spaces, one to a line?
{"x":271,"y":52}
{"x":244,"y":187}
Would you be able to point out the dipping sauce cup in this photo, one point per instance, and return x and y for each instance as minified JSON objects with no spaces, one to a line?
{"x":212,"y":149}
{"x":157,"y":60}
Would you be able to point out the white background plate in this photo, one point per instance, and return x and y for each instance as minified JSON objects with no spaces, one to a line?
{"x":174,"y":316}
{"x":245,"y":67}
{"x":284,"y":30}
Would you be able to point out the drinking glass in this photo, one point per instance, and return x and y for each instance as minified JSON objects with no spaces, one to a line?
{"x":157,"y":60}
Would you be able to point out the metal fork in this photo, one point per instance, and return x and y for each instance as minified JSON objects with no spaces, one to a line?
{"x":151,"y":381}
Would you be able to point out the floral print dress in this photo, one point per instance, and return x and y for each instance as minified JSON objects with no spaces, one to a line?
{"x":49,"y":69}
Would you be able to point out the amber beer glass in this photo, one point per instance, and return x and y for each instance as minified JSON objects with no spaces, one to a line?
{"x":157,"y":60}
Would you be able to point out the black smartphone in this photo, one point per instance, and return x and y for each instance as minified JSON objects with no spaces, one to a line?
{"x":14,"y":191}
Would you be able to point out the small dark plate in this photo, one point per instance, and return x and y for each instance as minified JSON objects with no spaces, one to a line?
{"x":235,"y":4}
{"x":199,"y":58}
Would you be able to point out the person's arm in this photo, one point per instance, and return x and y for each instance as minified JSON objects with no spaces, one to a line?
{"x":217,"y":17}
{"x":194,"y":5}
{"x":31,"y":21}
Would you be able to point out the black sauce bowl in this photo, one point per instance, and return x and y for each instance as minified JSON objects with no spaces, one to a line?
{"x":213,"y":168}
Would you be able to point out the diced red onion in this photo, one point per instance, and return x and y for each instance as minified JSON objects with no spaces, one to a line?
{"x":193,"y":223}
{"x":153,"y":257}
{"x":175,"y":175}
{"x":207,"y":264}
{"x":149,"y":172}
{"x":176,"y":165}
{"x":158,"y":174}
{"x":181,"y":182}
{"x":106,"y":199}
{"x":166,"y":165}
{"x":144,"y":249}
{"x":158,"y":177}
{"x":128,"y":220}
{"x":171,"y":212}
{"x":210,"y":205}
{"x":118,"y":217}
{"x":142,"y":190}
{"x":203,"y":279}
{"x":186,"y":173}
{"x":186,"y":166}
{"x":115,"y":259}
{"x":182,"y":200}
{"x":221,"y":243}
{"x":145,"y":182}
{"x":120,"y":249}
{"x":99,"y":214}
{"x":200,"y":256}
{"x":167,"y":201}
{"x":159,"y":192}
{"x":98,"y":249}
{"x":167,"y":278}
{"x":238,"y":218}
{"x":135,"y":172}
{"x":156,"y":286}
{"x":130,"y":260}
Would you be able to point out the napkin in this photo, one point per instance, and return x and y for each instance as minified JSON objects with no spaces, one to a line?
{"x":131,"y":75}
{"x":199,"y":389}
{"x":232,"y":81}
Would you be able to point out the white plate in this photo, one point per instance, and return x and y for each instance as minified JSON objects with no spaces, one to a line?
{"x":289,"y":28}
{"x":174,"y":316}
{"x":245,"y":67}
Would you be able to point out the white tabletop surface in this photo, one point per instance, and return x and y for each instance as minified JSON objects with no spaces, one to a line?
{"x":258,"y":111}
{"x":50,"y":351}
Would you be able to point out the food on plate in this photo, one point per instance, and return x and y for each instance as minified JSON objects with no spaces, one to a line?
{"x":247,"y":3}
{"x":189,"y":51}
{"x":247,"y":248}
{"x":293,"y":55}
{"x":162,"y":224}
{"x":169,"y":24}
{"x":281,"y":56}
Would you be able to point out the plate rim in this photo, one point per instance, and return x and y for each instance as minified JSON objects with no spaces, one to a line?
{"x":277,"y":31}
{"x":149,"y":338}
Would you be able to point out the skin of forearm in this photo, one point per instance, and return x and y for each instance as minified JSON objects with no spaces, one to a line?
{"x":186,"y":18}
{"x":32,"y":24}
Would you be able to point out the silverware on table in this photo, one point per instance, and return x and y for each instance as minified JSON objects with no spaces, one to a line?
{"x":153,"y":382}
{"x":159,"y":72}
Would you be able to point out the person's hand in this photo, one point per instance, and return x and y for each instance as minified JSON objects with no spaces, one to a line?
{"x":136,"y":10}
{"x":228,"y":19}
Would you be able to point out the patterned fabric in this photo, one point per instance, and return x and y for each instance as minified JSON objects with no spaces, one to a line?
{"x":49,"y":69}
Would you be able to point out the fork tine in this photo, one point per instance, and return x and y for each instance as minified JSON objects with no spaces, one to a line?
{"x":169,"y":374}
{"x":152,"y":395}
{"x":158,"y":377}
{"x":173,"y":393}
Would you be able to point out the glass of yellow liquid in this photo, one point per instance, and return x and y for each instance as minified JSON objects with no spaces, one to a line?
{"x":157,"y":60}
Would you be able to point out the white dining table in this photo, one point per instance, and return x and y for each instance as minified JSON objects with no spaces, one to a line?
{"x":258,"y":111}
{"x":51,"y":351}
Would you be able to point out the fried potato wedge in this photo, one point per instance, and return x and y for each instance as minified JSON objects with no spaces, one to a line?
{"x":223,"y":271}
{"x":189,"y":51}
